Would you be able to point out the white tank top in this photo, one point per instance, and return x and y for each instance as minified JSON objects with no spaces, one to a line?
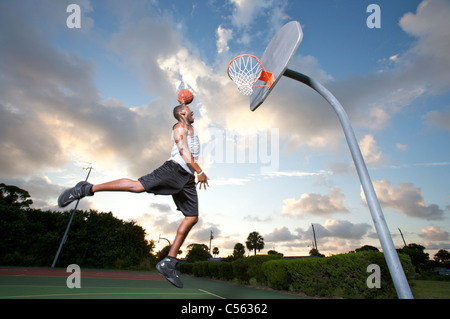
{"x":194,"y":147}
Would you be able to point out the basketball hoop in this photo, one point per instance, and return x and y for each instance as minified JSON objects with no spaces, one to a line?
{"x":245,"y":70}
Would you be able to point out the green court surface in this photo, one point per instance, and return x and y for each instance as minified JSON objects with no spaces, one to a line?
{"x":48,"y":285}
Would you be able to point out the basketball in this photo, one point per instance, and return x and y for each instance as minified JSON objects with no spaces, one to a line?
{"x":185,"y":96}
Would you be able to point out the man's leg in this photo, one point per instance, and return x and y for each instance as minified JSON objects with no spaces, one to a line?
{"x":120,"y":185}
{"x":83,"y":189}
{"x":182,"y":232}
{"x":168,"y":265}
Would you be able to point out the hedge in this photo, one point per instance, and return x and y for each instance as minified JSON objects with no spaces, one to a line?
{"x":343,"y":275}
{"x":242,"y":269}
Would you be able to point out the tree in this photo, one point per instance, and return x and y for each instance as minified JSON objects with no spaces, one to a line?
{"x":30,"y":237}
{"x":442,"y":256}
{"x":197,"y":252}
{"x":274,"y":252}
{"x":11,"y":195}
{"x":255,"y":241}
{"x":315,"y":253}
{"x":418,"y":257}
{"x":366,"y":248}
{"x":238,"y":251}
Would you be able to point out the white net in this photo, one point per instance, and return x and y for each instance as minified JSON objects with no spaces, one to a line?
{"x":244,"y":71}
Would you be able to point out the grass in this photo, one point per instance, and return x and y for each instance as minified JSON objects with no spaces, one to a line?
{"x":429,"y":289}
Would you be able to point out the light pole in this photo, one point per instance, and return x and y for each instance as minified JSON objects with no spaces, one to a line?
{"x":68,"y":225}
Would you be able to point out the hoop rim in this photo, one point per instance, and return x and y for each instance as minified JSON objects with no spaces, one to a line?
{"x":264,"y":76}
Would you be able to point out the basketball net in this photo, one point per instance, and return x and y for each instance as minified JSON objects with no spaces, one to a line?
{"x":244,"y":70}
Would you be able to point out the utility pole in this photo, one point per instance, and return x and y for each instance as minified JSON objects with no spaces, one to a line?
{"x":402,"y":236}
{"x":70,"y":222}
{"x":211,"y":237}
{"x":315,"y":241}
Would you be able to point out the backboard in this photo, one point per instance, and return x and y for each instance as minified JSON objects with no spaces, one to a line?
{"x":276,"y":58}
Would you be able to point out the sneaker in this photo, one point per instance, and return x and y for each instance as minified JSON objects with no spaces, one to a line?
{"x":167,"y":267}
{"x":80,"y":190}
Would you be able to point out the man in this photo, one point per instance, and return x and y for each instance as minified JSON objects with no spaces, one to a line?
{"x":175,"y":177}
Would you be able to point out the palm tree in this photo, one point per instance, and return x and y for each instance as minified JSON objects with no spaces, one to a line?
{"x":238,"y":251}
{"x":254,"y":241}
{"x":215,"y":251}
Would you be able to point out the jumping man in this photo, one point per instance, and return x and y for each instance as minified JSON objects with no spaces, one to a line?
{"x":175,"y":177}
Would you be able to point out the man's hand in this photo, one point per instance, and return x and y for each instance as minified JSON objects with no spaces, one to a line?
{"x":202,"y":179}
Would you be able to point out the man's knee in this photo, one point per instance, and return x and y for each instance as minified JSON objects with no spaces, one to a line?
{"x":192,"y":220}
{"x":136,"y":187}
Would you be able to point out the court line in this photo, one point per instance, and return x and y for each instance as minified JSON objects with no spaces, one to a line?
{"x":84,"y":287}
{"x":105,"y":293}
{"x":210,"y":293}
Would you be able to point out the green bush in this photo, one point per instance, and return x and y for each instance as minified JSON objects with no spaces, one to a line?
{"x":225,"y":271}
{"x":200,"y":269}
{"x":240,"y":270}
{"x":186,"y":268}
{"x":277,"y":275}
{"x":342,"y":275}
{"x":255,"y":266}
{"x":213,"y":269}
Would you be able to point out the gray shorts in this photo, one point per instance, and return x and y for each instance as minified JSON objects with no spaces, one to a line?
{"x":172,"y":179}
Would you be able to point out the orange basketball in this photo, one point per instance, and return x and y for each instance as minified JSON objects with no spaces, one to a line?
{"x":185,"y":96}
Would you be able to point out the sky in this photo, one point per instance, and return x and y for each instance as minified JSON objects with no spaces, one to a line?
{"x":103,"y":94}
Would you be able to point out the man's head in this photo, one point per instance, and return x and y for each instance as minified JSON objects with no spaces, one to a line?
{"x":183,"y":114}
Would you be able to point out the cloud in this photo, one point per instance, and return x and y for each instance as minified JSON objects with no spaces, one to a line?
{"x":245,"y":11}
{"x":430,"y":52}
{"x":229,"y":181}
{"x":294,"y":174}
{"x":406,"y":199}
{"x":256,"y":219}
{"x":223,"y":36}
{"x":202,"y":231}
{"x":52,"y":96}
{"x":342,"y":229}
{"x":161,"y":223}
{"x":163,"y":208}
{"x":402,"y":147}
{"x":438,"y":119}
{"x":434,"y":234}
{"x":281,"y":234}
{"x":369,"y":150}
{"x":316,"y":204}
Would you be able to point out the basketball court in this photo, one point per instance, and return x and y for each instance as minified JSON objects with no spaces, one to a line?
{"x":47,"y":283}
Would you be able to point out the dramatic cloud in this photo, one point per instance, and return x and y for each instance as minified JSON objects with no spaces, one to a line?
{"x":336,"y":234}
{"x":316,"y":204}
{"x":434,"y":234}
{"x":430,"y":52}
{"x":406,"y":199}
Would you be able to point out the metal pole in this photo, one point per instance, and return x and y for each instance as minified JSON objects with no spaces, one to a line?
{"x":390,"y":254}
{"x":402,"y":236}
{"x":68,"y":226}
{"x":314,"y":234}
{"x":211,"y":237}
{"x":164,"y":239}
